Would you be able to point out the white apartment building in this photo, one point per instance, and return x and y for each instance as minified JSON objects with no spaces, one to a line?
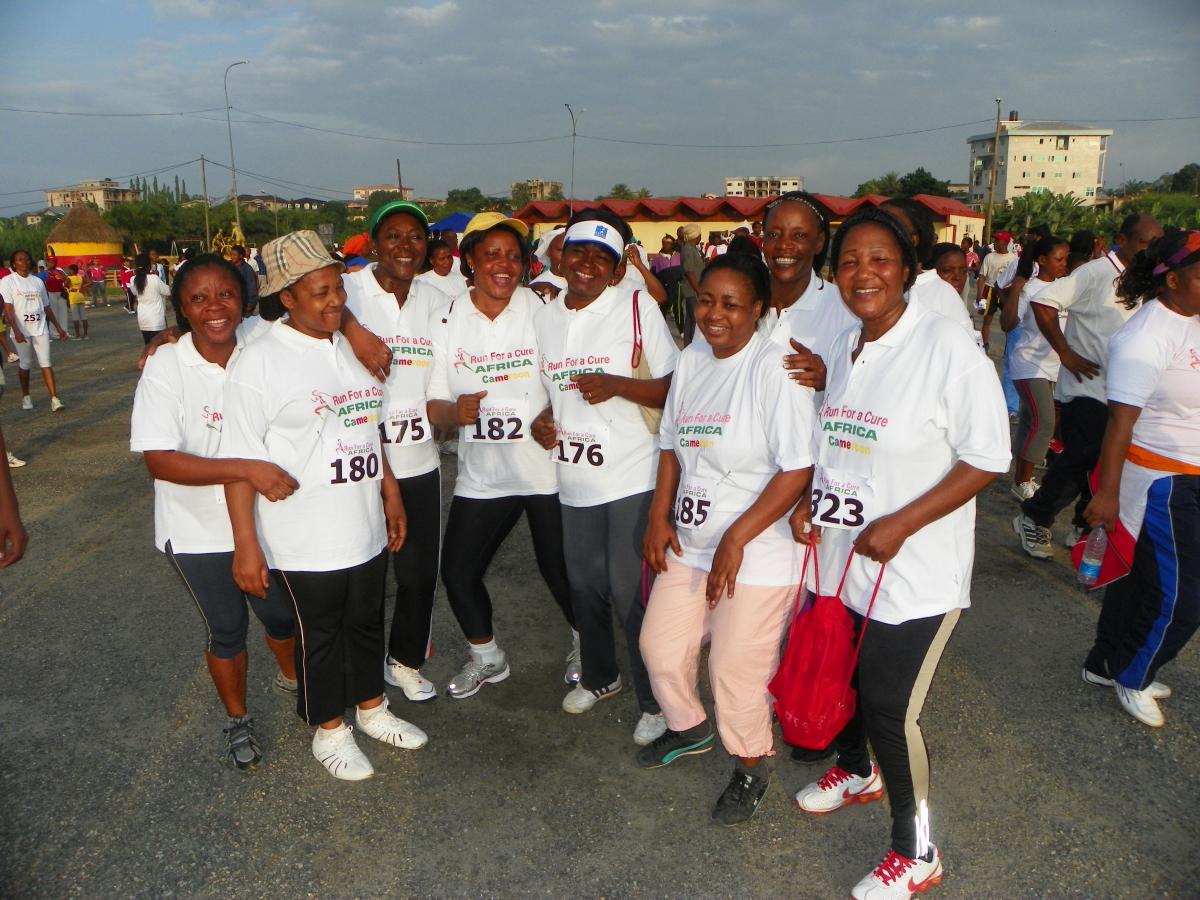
{"x":762,"y":185}
{"x":103,"y":192}
{"x":1038,"y":156}
{"x":538,"y":189}
{"x":365,"y":192}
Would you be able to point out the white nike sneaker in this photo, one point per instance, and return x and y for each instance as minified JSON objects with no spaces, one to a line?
{"x":899,"y":878}
{"x":838,"y":788}
{"x":417,"y":688}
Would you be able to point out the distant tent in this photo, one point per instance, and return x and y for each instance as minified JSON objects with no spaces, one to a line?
{"x":82,"y":235}
{"x":453,"y":222}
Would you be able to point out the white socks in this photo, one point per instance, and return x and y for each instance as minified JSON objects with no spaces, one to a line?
{"x":486,"y":653}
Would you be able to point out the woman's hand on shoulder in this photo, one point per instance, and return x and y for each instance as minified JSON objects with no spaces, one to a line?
{"x":167,"y":336}
{"x":805,"y":367}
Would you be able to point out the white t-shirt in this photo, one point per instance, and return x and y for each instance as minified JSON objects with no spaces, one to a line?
{"x":1089,"y":294}
{"x":605,"y":451}
{"x":1154,"y":363}
{"x":497,"y":457}
{"x":816,"y":318}
{"x":932,"y":292}
{"x":151,"y":303}
{"x":994,"y":264}
{"x":451,"y":284}
{"x":733,"y":424}
{"x":178,"y":406}
{"x":310,"y":407}
{"x":917,"y":401}
{"x":29,"y":302}
{"x":1031,"y":355}
{"x":408,"y":436}
{"x":1010,"y":273}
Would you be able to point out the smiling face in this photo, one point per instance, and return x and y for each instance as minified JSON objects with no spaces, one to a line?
{"x":952,"y":269}
{"x":211,"y":302}
{"x":589,"y":269}
{"x":399,"y":246}
{"x":314,"y":303}
{"x":871,"y":273}
{"x":496,"y":264}
{"x":727,"y":311}
{"x":792,"y":236}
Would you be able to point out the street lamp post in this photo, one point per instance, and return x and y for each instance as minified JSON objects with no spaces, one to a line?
{"x":237,"y":213}
{"x":574,"y":121}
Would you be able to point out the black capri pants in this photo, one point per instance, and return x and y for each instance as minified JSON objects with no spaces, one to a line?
{"x":475,"y":529}
{"x":416,"y":569}
{"x":339,"y":639}
{"x":222,"y":605}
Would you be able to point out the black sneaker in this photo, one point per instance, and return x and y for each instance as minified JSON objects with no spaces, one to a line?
{"x":241,"y":746}
{"x":804,"y":756}
{"x":673,"y":744}
{"x":739,"y":801}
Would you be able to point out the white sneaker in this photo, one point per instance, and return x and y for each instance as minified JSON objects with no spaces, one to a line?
{"x":1155,"y":689}
{"x":417,"y":688}
{"x":1025,"y":489}
{"x":1140,"y":705}
{"x":1073,"y":537}
{"x":14,"y":463}
{"x":574,"y":665}
{"x":285,"y":685}
{"x":838,"y":788}
{"x":1035,"y":539}
{"x":26,"y":402}
{"x":336,"y":750}
{"x":900,"y":877}
{"x":56,"y":404}
{"x":581,"y":699}
{"x":380,"y":724}
{"x":650,"y":727}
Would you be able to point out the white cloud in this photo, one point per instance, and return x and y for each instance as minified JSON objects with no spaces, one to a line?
{"x":426,"y":15}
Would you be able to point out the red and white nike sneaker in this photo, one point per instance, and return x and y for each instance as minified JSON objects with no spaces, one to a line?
{"x":900,"y":878}
{"x":838,"y":788}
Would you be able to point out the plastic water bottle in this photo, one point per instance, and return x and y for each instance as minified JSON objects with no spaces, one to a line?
{"x":1093,"y":556}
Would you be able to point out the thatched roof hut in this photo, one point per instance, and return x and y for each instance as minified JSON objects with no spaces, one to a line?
{"x":81,"y":236}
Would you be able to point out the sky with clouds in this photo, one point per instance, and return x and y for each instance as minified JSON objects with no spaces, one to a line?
{"x":496,"y":73}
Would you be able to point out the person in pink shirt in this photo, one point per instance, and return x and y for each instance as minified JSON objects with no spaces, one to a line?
{"x":95,"y":276}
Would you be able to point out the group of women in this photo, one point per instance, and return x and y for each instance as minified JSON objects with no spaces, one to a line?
{"x":813,"y":428}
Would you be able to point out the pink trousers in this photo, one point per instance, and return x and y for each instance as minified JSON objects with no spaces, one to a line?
{"x":745,"y":631}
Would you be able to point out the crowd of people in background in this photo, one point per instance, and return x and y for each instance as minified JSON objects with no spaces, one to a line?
{"x":828,"y":409}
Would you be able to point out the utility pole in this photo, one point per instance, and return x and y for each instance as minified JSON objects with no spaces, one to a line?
{"x":399,"y":181}
{"x":237,"y":212}
{"x":987,"y":218}
{"x":574,"y":121}
{"x":204,"y":188}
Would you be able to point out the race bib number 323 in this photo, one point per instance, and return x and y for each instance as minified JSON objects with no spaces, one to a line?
{"x":841,"y":500}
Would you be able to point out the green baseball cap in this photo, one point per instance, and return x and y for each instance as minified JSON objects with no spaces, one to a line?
{"x":397,"y":206}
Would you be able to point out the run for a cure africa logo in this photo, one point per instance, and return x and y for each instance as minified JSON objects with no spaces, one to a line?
{"x":851,"y":429}
{"x":497,"y":365}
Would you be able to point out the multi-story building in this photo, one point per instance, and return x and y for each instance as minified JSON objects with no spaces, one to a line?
{"x":364,"y":193}
{"x":536,"y":189}
{"x":762,"y":185}
{"x":1038,"y":156}
{"x":103,"y":192}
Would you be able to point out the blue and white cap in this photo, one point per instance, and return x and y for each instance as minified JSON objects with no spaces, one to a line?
{"x":594,"y":232}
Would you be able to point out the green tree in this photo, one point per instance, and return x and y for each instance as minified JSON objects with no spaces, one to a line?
{"x":622,"y":191}
{"x":380,"y":198}
{"x":887,"y":184}
{"x":919,"y":181}
{"x":1062,"y":213}
{"x":555,"y":193}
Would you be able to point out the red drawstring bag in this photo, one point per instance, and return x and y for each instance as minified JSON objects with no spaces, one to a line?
{"x":813,"y":696}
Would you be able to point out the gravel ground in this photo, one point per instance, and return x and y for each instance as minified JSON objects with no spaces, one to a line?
{"x":113,"y":786}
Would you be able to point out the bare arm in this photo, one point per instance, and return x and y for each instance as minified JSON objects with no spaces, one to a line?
{"x":776,"y":500}
{"x":249,"y":562}
{"x":882,"y":539}
{"x":13,"y":537}
{"x":188,"y":469}
{"x":597,"y":387}
{"x":660,"y":533}
{"x":371,"y":350}
{"x":1012,"y":302}
{"x":1047,"y":322}
{"x":653,"y":286}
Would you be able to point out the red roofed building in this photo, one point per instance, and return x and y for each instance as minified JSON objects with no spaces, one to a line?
{"x":651,"y":218}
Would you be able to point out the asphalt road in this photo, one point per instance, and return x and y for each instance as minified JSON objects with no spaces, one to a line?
{"x":113,"y":786}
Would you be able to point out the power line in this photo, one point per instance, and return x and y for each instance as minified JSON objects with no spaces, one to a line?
{"x":107,"y":115}
{"x":873,"y":137}
{"x":394,"y":140}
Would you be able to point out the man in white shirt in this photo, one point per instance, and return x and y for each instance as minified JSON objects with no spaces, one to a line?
{"x":1089,"y":297}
